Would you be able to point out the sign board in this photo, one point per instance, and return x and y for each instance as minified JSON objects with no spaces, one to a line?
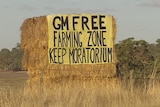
{"x":80,"y":39}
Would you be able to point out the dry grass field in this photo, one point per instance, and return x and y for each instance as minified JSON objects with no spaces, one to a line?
{"x":77,"y":93}
{"x":13,"y":79}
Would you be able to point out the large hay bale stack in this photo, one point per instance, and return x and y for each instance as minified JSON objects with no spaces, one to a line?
{"x":35,"y":40}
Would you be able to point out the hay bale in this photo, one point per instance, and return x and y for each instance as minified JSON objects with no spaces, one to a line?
{"x":34,"y":41}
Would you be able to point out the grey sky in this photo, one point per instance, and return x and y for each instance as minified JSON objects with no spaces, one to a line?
{"x":135,"y":18}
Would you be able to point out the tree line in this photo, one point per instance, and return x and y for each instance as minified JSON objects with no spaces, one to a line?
{"x":11,"y":60}
{"x":138,"y":57}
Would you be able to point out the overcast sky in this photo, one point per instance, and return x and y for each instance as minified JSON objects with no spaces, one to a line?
{"x":135,"y":18}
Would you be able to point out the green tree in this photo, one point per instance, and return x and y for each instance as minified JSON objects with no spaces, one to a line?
{"x":157,"y":56}
{"x":16,"y":56}
{"x":134,"y":55}
{"x":11,"y":60}
{"x":5,"y":59}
